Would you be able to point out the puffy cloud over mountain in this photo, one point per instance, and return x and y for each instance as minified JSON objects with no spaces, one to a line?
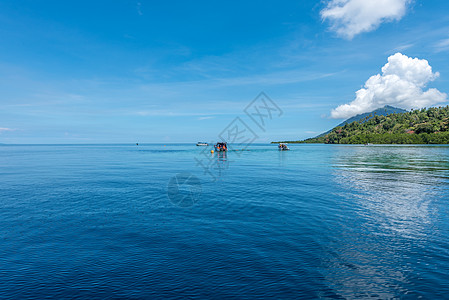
{"x":401,"y":84}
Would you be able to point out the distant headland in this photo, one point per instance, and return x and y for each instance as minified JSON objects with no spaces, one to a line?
{"x":390,"y":125}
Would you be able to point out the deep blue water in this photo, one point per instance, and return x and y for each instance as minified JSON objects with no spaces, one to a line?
{"x":95,"y":221}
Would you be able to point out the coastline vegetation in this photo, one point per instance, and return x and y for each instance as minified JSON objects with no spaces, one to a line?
{"x":422,"y":126}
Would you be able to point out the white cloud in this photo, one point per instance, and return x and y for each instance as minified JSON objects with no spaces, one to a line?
{"x":351,"y":17}
{"x":205,"y":118}
{"x":401,"y":85}
{"x":442,"y":45}
{"x":139,"y":8}
{"x":402,"y":48}
{"x":312,"y":132}
{"x":5,"y":129}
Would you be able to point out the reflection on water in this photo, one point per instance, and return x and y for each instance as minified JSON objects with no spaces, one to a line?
{"x":212,"y":163}
{"x":220,"y":163}
{"x":393,"y":185}
{"x":326,"y":221}
{"x":390,"y":191}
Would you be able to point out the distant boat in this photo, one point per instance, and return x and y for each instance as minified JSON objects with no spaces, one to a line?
{"x":202,"y":144}
{"x":283,"y":147}
{"x":221,"y":147}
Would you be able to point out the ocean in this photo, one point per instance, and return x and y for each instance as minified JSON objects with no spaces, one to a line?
{"x":176,"y":221}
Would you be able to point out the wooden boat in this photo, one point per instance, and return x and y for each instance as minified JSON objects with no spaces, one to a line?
{"x":283,"y":147}
{"x":221,"y":147}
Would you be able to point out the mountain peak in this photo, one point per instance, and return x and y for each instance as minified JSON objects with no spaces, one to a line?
{"x":382,"y":111}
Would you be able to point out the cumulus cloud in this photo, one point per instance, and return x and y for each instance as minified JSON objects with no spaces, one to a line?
{"x":401,"y":84}
{"x":351,"y":17}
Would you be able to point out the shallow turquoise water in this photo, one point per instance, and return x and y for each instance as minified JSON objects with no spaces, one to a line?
{"x":317,"y":221}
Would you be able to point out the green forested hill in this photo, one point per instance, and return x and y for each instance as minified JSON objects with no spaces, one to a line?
{"x":424,"y":126}
{"x":383,"y":111}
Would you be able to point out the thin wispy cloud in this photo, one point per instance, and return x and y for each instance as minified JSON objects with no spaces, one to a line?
{"x":139,"y":8}
{"x":311,"y":132}
{"x":349,"y":18}
{"x":4,"y":129}
{"x":402,"y":48}
{"x":442,"y":45}
{"x":205,"y":118}
{"x":158,"y":113}
{"x":269,"y":79}
{"x":171,"y":113}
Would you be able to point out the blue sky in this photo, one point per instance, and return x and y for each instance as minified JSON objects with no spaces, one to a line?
{"x":180,"y":71}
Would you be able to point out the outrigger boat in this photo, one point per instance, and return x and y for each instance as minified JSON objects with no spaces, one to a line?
{"x":221,"y":147}
{"x":202,"y":144}
{"x":283,"y":147}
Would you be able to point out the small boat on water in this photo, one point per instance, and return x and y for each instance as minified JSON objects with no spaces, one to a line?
{"x":283,"y":147}
{"x":221,"y":147}
{"x":202,"y":144}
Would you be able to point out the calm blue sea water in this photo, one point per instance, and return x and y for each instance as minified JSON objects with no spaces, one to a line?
{"x":95,"y":221}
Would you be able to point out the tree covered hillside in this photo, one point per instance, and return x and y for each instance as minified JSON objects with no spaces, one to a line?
{"x":424,"y":126}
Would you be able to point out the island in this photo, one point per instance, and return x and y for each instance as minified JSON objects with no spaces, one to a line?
{"x":419,"y":126}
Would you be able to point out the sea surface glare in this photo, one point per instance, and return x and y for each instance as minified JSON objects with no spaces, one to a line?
{"x":175,"y":221}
